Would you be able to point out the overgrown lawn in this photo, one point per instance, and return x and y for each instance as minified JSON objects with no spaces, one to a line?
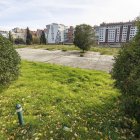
{"x":61,"y":103}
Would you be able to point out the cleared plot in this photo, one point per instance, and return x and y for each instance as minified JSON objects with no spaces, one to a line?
{"x":91,"y":60}
{"x":104,"y":50}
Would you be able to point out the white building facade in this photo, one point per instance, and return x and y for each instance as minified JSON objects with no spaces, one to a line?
{"x":113,"y":33}
{"x":55,"y":33}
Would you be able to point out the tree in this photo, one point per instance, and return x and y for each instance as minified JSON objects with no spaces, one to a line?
{"x":36,"y":40}
{"x":28,"y":37}
{"x":9,"y":62}
{"x":11,"y":37}
{"x":42,"y":38}
{"x":126,"y":72}
{"x":83,"y":37}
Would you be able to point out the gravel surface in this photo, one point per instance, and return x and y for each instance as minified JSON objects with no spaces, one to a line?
{"x":91,"y":60}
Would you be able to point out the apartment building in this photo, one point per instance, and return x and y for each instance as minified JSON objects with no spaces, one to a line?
{"x":114,"y":33}
{"x":55,"y":33}
{"x":19,"y":33}
{"x":69,"y":35}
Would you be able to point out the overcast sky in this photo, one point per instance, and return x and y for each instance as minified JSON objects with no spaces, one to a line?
{"x":38,"y":13}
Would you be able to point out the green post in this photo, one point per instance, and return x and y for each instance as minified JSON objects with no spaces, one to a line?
{"x":19,"y":113}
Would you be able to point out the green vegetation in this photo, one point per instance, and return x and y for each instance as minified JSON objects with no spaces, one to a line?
{"x":9,"y":62}
{"x":106,"y":50}
{"x":29,"y":38}
{"x":36,"y":40}
{"x":83,"y":37}
{"x":10,"y":37}
{"x":18,"y":41}
{"x":102,"y":50}
{"x":62,"y":103}
{"x":126,"y":71}
{"x":43,"y":38}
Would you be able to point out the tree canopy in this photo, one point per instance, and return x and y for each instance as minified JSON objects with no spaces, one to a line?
{"x":43,"y":38}
{"x":28,"y":37}
{"x":84,"y":37}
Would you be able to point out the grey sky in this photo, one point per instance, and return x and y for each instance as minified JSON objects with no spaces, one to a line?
{"x":38,"y":13}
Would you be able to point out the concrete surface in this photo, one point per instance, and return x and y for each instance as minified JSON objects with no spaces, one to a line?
{"x":91,"y":60}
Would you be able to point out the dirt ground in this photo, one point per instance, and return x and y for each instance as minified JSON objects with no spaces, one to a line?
{"x":91,"y":60}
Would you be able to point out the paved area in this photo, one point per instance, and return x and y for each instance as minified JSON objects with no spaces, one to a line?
{"x":91,"y":60}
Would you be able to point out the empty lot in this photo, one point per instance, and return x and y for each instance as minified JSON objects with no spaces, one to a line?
{"x":91,"y":60}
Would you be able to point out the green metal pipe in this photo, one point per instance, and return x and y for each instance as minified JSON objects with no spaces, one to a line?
{"x":19,"y":113}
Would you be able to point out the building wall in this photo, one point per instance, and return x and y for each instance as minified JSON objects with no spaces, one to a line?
{"x":133,"y":31}
{"x":113,"y":33}
{"x":69,"y":35}
{"x":102,"y":34}
{"x":19,"y":33}
{"x":55,"y":33}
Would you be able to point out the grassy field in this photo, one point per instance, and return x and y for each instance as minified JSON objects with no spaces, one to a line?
{"x":62,"y":103}
{"x":102,"y":50}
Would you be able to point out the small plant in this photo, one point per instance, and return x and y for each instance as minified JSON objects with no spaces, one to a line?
{"x":9,"y":62}
{"x":64,"y":50}
{"x":81,"y":55}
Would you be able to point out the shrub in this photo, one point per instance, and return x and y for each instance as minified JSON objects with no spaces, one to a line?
{"x":126,"y":71}
{"x":82,"y":54}
{"x":9,"y":62}
{"x":19,"y":41}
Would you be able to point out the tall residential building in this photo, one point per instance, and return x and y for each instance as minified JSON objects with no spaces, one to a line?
{"x":113,"y":33}
{"x":55,"y":33}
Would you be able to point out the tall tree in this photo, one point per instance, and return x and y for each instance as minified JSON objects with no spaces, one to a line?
{"x":43,"y":38}
{"x":11,"y":37}
{"x":28,"y":37}
{"x":83,"y":37}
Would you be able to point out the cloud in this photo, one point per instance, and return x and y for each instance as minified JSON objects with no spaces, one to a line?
{"x":38,"y":13}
